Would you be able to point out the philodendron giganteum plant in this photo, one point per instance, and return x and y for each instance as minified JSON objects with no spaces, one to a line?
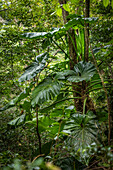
{"x":49,"y":87}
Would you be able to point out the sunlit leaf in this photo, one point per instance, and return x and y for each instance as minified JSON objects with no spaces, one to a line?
{"x":59,"y":32}
{"x":105,"y":3}
{"x":66,"y":7}
{"x":79,"y":21}
{"x":37,"y":35}
{"x":59,"y":12}
{"x":112,"y":3}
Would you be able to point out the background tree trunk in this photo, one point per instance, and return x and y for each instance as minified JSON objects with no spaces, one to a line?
{"x":71,"y":39}
{"x":78,"y":103}
{"x":87,"y":13}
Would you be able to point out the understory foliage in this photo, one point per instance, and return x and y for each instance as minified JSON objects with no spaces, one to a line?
{"x":41,"y":84}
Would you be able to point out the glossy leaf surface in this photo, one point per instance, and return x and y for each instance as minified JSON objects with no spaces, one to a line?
{"x":35,"y":68}
{"x":59,"y":32}
{"x":18,"y":121}
{"x":46,"y":90}
{"x":83,"y":128}
{"x":83,"y":71}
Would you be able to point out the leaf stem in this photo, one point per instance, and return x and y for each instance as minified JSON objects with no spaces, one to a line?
{"x":84,"y":105}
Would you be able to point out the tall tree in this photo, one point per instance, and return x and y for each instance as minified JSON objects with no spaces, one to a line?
{"x":87,"y":13}
{"x":72,"y":44}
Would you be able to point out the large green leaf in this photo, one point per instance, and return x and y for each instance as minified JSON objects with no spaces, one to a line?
{"x":26,"y":106}
{"x":79,"y":21}
{"x":69,"y":163}
{"x":112,"y":3}
{"x":38,"y":35}
{"x":62,"y":75}
{"x":82,"y":130}
{"x":105,"y":3}
{"x":56,"y":128}
{"x":46,"y":90}
{"x":14,"y":101}
{"x":59,"y":32}
{"x":32,"y":123}
{"x":35,"y":68}
{"x":46,"y":148}
{"x":43,"y":123}
{"x":83,"y":71}
{"x":18,"y":121}
{"x":57,"y":113}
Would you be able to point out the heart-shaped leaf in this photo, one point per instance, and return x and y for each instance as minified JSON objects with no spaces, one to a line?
{"x":35,"y":68}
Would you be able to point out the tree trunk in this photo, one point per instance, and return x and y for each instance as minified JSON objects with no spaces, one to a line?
{"x":87,"y":12}
{"x":78,"y":103}
{"x":73,"y":55}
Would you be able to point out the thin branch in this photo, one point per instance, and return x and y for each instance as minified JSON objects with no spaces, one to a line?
{"x":37,"y":130}
{"x":92,"y":164}
{"x":38,"y":157}
{"x":108,"y":103}
{"x":63,"y":51}
{"x":55,"y":149}
{"x":5,"y":9}
{"x":63,"y":41}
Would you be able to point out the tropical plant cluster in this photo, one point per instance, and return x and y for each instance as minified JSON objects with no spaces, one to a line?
{"x":56,"y":84}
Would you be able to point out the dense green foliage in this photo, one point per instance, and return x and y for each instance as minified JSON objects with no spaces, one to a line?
{"x":55,"y":107}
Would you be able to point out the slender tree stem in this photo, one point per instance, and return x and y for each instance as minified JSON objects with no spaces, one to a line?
{"x":37,"y":130}
{"x":87,"y":12}
{"x":63,"y":51}
{"x":108,"y":103}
